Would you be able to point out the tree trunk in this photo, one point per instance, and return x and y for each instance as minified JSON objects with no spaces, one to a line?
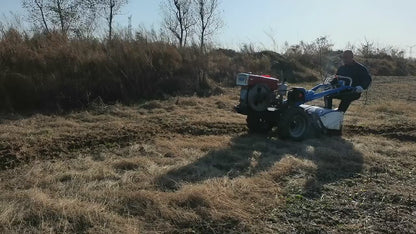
{"x":181,"y":39}
{"x":202,"y":41}
{"x":110,"y":21}
{"x":43,"y":16}
{"x":61,"y":16}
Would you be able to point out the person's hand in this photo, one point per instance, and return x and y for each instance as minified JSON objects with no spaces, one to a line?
{"x":334,"y":81}
{"x":359,"y":89}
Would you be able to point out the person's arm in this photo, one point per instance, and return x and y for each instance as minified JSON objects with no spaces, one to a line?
{"x":365,"y":78}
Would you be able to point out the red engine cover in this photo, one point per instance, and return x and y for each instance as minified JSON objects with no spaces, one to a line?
{"x":272,"y":83}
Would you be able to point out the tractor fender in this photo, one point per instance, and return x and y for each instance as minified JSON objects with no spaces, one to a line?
{"x":329,"y":119}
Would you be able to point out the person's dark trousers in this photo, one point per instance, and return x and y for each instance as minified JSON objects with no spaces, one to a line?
{"x":345,"y":97}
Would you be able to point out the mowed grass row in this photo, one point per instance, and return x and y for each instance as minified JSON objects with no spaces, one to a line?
{"x":186,"y":164}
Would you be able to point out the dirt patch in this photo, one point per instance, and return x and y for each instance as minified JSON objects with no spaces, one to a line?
{"x":398,"y":132}
{"x":205,"y":128}
{"x":8,"y":160}
{"x":15,"y":153}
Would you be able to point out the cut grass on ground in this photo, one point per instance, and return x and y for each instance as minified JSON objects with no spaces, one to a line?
{"x":187,"y":165}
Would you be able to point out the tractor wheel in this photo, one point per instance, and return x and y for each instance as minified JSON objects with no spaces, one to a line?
{"x":294,"y":124}
{"x":256,"y":123}
{"x":259,"y":97}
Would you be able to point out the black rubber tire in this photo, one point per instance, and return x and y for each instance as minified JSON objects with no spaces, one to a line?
{"x":257,"y":123}
{"x":294,"y":124}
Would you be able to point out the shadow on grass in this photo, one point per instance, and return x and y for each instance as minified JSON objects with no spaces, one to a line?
{"x":247,"y":155}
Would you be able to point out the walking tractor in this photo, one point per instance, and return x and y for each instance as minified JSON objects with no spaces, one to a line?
{"x":268,"y":103}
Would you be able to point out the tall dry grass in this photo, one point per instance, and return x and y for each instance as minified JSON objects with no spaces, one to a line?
{"x":52,"y":72}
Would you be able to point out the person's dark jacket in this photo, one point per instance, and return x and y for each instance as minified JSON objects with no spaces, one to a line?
{"x":358,"y":73}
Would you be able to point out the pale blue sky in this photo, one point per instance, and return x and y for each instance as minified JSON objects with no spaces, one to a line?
{"x":385,"y":22}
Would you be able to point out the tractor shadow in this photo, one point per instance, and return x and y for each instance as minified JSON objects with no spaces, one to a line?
{"x":248,"y":155}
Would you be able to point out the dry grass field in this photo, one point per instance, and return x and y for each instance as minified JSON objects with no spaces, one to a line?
{"x":187,"y":165}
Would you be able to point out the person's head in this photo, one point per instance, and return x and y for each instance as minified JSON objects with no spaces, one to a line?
{"x":348,"y":57}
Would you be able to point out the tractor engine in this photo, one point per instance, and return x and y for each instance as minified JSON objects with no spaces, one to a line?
{"x":258,"y":92}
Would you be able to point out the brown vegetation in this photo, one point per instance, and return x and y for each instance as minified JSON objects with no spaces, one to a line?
{"x":187,"y":165}
{"x":51,"y":72}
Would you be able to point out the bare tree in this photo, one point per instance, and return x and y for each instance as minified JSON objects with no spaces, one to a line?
{"x":89,"y":13}
{"x":178,"y":19}
{"x":37,"y":12}
{"x":64,"y":13}
{"x":111,"y":8}
{"x":367,"y":48}
{"x":208,"y":20}
{"x":67,"y":16}
{"x":272,"y":36}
